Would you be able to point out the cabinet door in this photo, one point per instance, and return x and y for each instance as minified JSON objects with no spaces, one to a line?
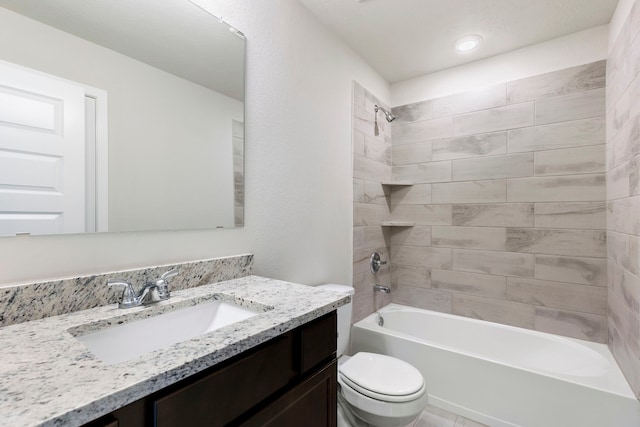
{"x":217,"y":399}
{"x":310,"y":404}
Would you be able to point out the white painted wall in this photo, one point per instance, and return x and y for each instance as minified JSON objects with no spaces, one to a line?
{"x":156,"y":121}
{"x":298,"y":166}
{"x":568,"y":51}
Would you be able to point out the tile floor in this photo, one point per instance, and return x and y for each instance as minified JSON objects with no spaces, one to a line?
{"x":436,"y":417}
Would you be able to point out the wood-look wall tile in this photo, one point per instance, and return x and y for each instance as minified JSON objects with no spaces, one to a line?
{"x":411,"y":276}
{"x":484,"y":144}
{"x":484,"y":285}
{"x":619,"y":182}
{"x":494,"y":167}
{"x":584,"y":326}
{"x":412,"y":112}
{"x":423,"y":214}
{"x":417,"y":194}
{"x":427,"y":299}
{"x":493,"y":191}
{"x":480,"y":99}
{"x":374,"y":237}
{"x":423,"y":172}
{"x":572,"y":188}
{"x":625,"y":285}
{"x":370,"y":170}
{"x":626,"y":358}
{"x":586,"y":271}
{"x":626,"y":144}
{"x":413,"y":236}
{"x":421,"y":256}
{"x":358,"y":143}
{"x":374,"y":193}
{"x":623,"y":249}
{"x":369,"y":214}
{"x":494,"y":215}
{"x":622,"y":214}
{"x":493,"y":310}
{"x":358,"y":191}
{"x":406,"y":154}
{"x":469,"y":238}
{"x":426,"y":130}
{"x":587,"y":243}
{"x":501,"y":118}
{"x":567,"y":296}
{"x":377,"y":150}
{"x":562,"y":82}
{"x":626,"y":322}
{"x":584,"y":215}
{"x":580,"y":105}
{"x":578,"y":133}
{"x":491,"y":262}
{"x":364,"y":121}
{"x":358,"y":238}
{"x":570,"y":161}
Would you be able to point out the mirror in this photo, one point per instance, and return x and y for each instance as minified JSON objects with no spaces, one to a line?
{"x":119,"y":115}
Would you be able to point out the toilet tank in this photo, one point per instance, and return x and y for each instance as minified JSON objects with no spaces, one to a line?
{"x":344,"y":316}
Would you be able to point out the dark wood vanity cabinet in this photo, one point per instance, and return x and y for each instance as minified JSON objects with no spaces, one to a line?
{"x":287,"y":381}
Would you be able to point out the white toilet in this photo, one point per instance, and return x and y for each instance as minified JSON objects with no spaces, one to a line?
{"x":378,"y":390}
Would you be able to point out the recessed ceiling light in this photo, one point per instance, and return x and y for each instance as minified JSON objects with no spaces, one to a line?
{"x":467,"y":43}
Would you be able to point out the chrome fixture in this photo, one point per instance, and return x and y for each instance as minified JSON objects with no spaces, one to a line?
{"x":387,"y":114}
{"x":153,"y":291}
{"x":379,"y":319}
{"x":382,"y":288}
{"x":375,"y":262}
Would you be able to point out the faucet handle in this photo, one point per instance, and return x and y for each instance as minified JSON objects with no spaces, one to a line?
{"x":162,"y":283}
{"x":171,"y":273}
{"x":128,"y":294}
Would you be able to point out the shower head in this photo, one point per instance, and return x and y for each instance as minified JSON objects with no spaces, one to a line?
{"x":387,"y":114}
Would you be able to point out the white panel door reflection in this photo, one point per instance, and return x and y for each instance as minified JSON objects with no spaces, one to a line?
{"x":42,"y":153}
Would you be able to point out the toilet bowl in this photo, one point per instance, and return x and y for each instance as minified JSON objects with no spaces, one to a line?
{"x":375,"y":389}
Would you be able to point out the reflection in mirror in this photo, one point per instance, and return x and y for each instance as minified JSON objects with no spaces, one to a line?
{"x":119,"y":115}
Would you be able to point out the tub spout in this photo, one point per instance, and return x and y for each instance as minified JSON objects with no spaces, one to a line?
{"x":382,"y":288}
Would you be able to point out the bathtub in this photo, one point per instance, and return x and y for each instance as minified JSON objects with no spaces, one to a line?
{"x":502,"y":375}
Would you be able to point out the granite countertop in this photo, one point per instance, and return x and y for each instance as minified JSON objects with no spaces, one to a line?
{"x":48,"y":378}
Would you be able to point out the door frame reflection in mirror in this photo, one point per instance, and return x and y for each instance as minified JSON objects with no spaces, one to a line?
{"x":103,"y":185}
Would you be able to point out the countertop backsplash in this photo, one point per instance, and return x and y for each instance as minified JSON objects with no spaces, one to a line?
{"x":32,"y":301}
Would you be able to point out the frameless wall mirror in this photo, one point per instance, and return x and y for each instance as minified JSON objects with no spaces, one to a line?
{"x":119,"y":115}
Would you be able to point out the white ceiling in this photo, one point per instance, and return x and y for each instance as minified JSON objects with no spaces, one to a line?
{"x":174,"y":35}
{"x":402,"y":39}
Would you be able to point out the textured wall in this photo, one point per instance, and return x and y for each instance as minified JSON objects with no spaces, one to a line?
{"x":508,"y":203}
{"x":371,"y":166}
{"x":623,"y":196}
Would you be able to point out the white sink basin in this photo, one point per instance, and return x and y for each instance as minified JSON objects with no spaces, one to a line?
{"x":130,"y":340}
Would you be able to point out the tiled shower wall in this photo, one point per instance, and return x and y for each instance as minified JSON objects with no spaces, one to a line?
{"x":508,"y":203}
{"x":623,"y":197}
{"x":371,"y":166}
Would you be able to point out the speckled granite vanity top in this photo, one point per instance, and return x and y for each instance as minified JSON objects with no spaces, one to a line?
{"x":47,"y":377}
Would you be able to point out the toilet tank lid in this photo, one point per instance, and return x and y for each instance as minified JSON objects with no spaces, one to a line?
{"x":337,"y":288}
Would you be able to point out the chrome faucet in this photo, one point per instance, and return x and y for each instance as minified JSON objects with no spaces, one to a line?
{"x":382,"y":288}
{"x":153,"y":291}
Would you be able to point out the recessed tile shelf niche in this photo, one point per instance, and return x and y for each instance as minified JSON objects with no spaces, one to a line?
{"x":392,"y":185}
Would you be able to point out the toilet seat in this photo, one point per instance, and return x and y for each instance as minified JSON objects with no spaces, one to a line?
{"x":382,"y":377}
{"x":381,"y":396}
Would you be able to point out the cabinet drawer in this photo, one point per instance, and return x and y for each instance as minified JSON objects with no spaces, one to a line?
{"x":227,"y":393}
{"x":318,"y":341}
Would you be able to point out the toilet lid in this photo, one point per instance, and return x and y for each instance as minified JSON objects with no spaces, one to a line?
{"x":382,"y":377}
